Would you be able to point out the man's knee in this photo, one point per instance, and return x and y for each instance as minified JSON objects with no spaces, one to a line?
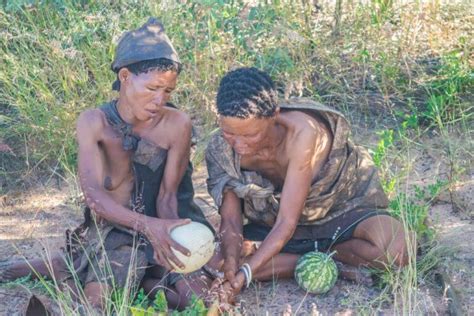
{"x":403,"y":246}
{"x":397,"y":253}
{"x":389,"y":236}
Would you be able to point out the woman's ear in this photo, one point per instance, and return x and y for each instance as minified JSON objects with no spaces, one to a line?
{"x":124,"y":75}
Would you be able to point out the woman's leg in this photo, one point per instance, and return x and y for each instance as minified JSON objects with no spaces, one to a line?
{"x":178,"y":294}
{"x":53,"y":267}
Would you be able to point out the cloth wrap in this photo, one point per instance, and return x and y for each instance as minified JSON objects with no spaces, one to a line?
{"x":348,"y":181}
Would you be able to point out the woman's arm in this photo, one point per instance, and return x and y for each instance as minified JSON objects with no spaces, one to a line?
{"x":176,"y":163}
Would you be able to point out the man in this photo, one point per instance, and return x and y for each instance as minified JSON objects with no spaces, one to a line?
{"x":134,"y":171}
{"x":292,"y":172}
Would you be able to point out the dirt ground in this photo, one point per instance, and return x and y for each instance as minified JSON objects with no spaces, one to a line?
{"x":35,"y":220}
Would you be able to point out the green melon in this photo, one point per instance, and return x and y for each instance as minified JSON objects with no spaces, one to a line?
{"x":316,"y":272}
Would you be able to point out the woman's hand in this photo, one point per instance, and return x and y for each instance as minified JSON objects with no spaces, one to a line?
{"x":157,"y":231}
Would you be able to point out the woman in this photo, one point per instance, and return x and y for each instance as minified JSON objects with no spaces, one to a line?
{"x":300,"y":183}
{"x":135,"y":173}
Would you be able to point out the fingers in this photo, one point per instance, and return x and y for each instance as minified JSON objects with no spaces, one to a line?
{"x":161,"y":260}
{"x":179,"y":222}
{"x":167,"y":256}
{"x":230,"y":274}
{"x":172,"y":257}
{"x":216,"y":284}
{"x":185,"y":251}
{"x":230,"y":269}
{"x":226,"y":293}
{"x":164,"y":255}
{"x":223,"y":292}
{"x":238,"y":282}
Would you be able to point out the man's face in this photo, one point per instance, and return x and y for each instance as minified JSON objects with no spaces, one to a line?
{"x":148,"y":92}
{"x":246,"y":136}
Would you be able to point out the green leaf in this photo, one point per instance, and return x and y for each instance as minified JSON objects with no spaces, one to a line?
{"x":159,"y":303}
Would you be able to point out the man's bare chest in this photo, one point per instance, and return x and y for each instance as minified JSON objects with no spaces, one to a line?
{"x":273,"y":170}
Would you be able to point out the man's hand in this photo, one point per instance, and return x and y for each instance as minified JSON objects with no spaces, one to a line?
{"x":158,"y":233}
{"x":222,"y":291}
{"x":230,"y":268}
{"x":238,"y":282}
{"x":225,"y":292}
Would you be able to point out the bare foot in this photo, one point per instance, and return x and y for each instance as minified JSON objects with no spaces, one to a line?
{"x":248,"y":248}
{"x":13,"y":269}
{"x":355,"y":274}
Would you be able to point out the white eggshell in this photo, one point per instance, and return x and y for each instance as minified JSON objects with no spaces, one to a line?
{"x":199,"y":240}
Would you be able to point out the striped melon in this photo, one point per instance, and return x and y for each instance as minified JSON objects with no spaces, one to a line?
{"x":316,"y":272}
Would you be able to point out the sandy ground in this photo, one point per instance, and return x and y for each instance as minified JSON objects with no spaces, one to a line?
{"x":35,"y":221}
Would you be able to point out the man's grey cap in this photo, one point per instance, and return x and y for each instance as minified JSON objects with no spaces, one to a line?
{"x":145,"y":43}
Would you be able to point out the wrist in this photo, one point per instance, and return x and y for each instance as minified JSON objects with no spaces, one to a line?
{"x":247,"y":272}
{"x":142,"y":225}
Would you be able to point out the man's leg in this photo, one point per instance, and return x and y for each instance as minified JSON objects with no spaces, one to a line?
{"x":281,"y":266}
{"x":378,"y":241}
{"x":381,"y":237}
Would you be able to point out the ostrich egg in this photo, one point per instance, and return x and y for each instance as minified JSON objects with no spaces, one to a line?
{"x":199,"y":240}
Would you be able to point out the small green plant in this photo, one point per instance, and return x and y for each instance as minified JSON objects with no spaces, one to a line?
{"x":414,"y":210}
{"x":454,"y":78}
{"x":142,"y":305}
{"x":379,"y":155}
{"x":383,"y":146}
{"x":415,"y":213}
{"x":196,"y":307}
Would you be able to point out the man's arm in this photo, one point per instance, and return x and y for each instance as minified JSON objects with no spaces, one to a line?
{"x":231,"y":233}
{"x":303,"y":162}
{"x":91,"y":173}
{"x":176,"y":163}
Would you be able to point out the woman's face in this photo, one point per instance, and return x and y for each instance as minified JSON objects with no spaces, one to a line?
{"x":148,"y":92}
{"x":246,"y":136}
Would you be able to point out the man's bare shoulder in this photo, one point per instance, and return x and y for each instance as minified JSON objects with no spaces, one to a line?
{"x":306,"y":131}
